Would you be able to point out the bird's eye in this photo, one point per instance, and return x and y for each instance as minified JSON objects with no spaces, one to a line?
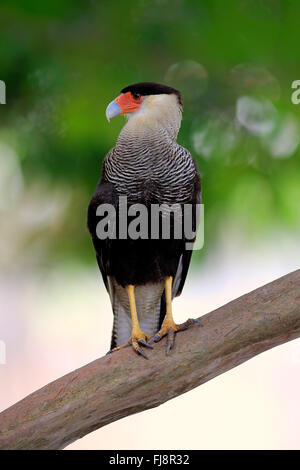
{"x":136,"y":96}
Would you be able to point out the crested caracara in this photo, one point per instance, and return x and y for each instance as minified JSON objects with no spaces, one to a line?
{"x":143,"y":274}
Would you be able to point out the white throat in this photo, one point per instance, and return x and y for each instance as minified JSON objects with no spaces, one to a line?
{"x":156,"y":113}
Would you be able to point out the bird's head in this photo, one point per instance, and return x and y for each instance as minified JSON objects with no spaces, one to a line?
{"x":147,"y":104}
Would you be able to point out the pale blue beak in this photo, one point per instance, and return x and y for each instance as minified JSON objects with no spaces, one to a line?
{"x":112,"y":110}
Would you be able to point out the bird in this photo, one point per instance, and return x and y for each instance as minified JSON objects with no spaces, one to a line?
{"x":148,"y":168}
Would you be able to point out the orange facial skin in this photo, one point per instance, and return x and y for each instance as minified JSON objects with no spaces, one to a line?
{"x":128,"y":103}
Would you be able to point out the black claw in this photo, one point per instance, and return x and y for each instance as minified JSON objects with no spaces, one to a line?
{"x":171,"y":339}
{"x":197,"y":320}
{"x":141,"y":352}
{"x":109,"y":352}
{"x":147,"y":345}
{"x":189,"y":322}
{"x":154,"y":338}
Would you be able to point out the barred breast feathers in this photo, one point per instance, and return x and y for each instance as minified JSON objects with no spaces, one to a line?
{"x":147,"y":150}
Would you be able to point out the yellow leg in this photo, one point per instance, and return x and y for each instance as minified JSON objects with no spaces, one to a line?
{"x":137,"y":335}
{"x":136,"y":330}
{"x":168,"y":326}
{"x":168,"y":320}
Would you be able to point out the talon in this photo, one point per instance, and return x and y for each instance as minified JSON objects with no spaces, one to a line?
{"x":171,"y":340}
{"x":141,"y":352}
{"x":147,"y":345}
{"x":169,"y":329}
{"x":189,"y":322}
{"x":134,"y":342}
{"x":154,"y":338}
{"x":137,"y":349}
{"x":169,"y":347}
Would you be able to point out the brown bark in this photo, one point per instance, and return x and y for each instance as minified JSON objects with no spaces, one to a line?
{"x":121,"y":384}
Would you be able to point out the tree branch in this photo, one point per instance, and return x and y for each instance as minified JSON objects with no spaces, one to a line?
{"x":122,"y":384}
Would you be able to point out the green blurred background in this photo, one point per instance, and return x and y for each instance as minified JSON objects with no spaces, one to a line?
{"x":64,"y":61}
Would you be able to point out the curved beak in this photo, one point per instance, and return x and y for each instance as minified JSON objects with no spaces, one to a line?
{"x":112,"y":110}
{"x":124,"y":103}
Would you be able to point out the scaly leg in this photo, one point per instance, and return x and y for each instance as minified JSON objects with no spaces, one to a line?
{"x":168,"y":326}
{"x":137,"y":335}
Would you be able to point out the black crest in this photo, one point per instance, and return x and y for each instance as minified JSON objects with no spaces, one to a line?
{"x":151,"y":88}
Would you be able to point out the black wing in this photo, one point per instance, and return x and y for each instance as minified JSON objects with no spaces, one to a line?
{"x":103,"y":194}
